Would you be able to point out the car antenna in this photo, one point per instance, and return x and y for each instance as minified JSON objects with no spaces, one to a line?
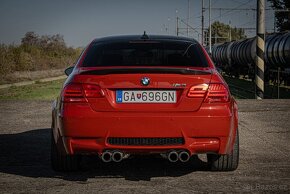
{"x":144,"y":36}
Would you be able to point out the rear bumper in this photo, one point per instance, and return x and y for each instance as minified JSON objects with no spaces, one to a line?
{"x":98,"y":145}
{"x":209,"y":130}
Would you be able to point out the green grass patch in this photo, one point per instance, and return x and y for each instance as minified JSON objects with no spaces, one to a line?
{"x":246,"y":89}
{"x":37,"y":91}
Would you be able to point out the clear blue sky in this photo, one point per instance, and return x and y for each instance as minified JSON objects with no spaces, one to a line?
{"x":80,"y":21}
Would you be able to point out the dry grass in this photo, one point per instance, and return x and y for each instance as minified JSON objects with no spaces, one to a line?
{"x":19,"y":76}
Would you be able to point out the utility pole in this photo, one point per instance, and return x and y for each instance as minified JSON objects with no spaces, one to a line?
{"x":260,"y":47}
{"x":274,"y":24}
{"x":168,"y":22}
{"x":230,"y":31}
{"x":202,"y":23}
{"x":187,"y":19}
{"x":209,"y":24}
{"x":215,"y":36}
{"x":177,"y":29}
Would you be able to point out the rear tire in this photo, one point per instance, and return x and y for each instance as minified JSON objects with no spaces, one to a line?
{"x":228,"y":162}
{"x":61,"y":162}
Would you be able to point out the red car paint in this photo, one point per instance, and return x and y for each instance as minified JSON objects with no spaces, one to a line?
{"x":86,"y":113}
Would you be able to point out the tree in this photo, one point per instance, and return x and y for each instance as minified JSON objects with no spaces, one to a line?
{"x":30,"y":38}
{"x":282,"y":18}
{"x":222,"y":33}
{"x":45,"y":41}
{"x":57,"y":40}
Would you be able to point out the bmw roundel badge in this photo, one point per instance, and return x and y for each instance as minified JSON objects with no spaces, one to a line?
{"x":145,"y":81}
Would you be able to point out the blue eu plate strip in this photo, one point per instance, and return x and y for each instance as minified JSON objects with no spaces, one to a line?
{"x":119,"y":96}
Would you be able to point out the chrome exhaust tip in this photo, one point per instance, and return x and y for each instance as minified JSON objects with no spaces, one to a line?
{"x":106,"y":156}
{"x":183,"y":156}
{"x":117,"y":156}
{"x":173,"y":156}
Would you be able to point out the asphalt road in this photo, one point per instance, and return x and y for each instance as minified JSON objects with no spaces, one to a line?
{"x":264,"y":158}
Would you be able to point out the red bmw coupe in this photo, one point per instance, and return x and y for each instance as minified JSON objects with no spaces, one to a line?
{"x":130,"y":95}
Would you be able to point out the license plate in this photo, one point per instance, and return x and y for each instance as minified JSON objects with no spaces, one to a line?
{"x":149,"y":96}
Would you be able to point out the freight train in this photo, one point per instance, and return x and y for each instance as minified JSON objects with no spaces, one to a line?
{"x":238,"y":57}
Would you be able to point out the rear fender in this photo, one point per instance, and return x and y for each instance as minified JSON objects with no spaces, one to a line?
{"x":233,"y":128}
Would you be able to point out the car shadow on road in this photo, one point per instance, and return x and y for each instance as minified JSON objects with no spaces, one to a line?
{"x":28,"y":154}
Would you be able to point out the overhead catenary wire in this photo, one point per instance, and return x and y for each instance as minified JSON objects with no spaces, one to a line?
{"x":242,"y":6}
{"x":228,"y":12}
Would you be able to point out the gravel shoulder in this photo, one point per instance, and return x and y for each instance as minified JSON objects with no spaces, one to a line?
{"x":25,"y":164}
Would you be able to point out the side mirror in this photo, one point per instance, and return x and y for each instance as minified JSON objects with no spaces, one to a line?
{"x":68,"y":70}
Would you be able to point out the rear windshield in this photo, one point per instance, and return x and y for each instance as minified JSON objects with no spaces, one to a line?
{"x":142,"y":53}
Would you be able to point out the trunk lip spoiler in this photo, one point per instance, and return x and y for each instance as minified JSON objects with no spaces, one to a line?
{"x":140,"y":70}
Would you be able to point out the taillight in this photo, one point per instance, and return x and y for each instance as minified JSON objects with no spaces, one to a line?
{"x":197,"y":91}
{"x":217,"y":93}
{"x":75,"y":92}
{"x":214,"y":92}
{"x":92,"y":91}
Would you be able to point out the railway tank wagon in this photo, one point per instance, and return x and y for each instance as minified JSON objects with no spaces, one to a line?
{"x":238,"y":57}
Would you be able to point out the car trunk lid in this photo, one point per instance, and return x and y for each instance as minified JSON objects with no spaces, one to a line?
{"x":169,"y":88}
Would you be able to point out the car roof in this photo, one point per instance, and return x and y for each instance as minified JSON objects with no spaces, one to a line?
{"x":141,"y":37}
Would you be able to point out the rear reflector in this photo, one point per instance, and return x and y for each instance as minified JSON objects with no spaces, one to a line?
{"x":75,"y":92}
{"x":217,"y":93}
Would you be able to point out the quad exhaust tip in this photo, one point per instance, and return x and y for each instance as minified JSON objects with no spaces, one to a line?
{"x":118,"y":156}
{"x":182,"y":156}
{"x":173,"y":156}
{"x":106,"y":156}
{"x":115,"y":156}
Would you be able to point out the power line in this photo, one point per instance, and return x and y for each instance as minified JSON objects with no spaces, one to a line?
{"x":226,"y":13}
{"x":248,"y":9}
{"x":194,"y":29}
{"x":233,"y":9}
{"x":199,"y":13}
